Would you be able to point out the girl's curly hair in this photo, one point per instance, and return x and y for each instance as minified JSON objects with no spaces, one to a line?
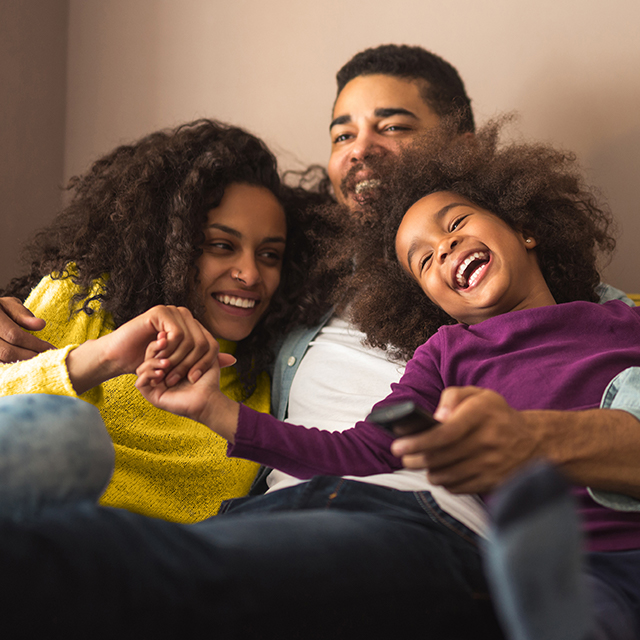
{"x":532,"y":187}
{"x":138,"y":215}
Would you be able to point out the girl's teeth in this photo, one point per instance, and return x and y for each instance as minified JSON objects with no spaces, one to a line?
{"x":460,"y":273}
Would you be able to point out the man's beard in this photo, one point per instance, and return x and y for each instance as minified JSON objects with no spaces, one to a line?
{"x":365,"y":192}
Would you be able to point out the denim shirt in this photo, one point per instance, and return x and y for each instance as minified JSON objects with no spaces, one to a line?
{"x":289,"y":357}
{"x":623,"y":392}
{"x":288,"y":360}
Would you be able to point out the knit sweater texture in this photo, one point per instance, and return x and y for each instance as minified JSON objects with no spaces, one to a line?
{"x":167,"y":466}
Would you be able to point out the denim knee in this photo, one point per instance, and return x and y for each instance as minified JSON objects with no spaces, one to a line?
{"x":53,"y":449}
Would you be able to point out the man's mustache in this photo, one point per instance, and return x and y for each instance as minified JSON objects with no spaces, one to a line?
{"x":376,"y":168}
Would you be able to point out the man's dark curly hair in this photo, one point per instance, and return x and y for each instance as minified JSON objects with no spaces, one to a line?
{"x":443,"y":92}
{"x":138,"y":215}
{"x":532,"y":187}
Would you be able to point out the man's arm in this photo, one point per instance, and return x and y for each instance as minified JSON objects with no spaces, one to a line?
{"x":483,"y":441}
{"x":15,"y":341}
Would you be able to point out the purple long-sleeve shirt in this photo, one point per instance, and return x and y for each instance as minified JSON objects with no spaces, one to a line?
{"x":558,"y":357}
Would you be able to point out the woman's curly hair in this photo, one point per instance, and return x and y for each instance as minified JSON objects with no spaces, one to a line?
{"x":532,"y":187}
{"x":138,"y":215}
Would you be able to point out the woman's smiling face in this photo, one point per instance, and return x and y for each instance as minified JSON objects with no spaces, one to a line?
{"x":467,"y":260}
{"x":239,"y":270}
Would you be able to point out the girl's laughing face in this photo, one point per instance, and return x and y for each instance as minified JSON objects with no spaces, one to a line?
{"x":467,"y":260}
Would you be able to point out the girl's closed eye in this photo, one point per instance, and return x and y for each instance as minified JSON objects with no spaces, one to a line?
{"x":456,"y":223}
{"x":425,"y":262}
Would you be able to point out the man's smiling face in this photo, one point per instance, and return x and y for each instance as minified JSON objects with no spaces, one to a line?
{"x":374,"y":117}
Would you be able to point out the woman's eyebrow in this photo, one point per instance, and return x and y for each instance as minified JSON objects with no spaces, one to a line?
{"x":223,"y":227}
{"x":234,"y":232}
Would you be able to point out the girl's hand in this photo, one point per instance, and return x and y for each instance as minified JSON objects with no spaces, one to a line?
{"x":198,"y":398}
{"x":186,"y":398}
{"x":480,"y":443}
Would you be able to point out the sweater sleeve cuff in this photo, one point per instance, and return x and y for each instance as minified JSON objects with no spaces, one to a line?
{"x":45,"y":373}
{"x":246,"y":437}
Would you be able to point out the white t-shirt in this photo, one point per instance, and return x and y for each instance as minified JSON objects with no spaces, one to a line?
{"x":335,"y":386}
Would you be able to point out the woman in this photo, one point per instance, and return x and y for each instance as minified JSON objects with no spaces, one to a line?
{"x":194,"y":219}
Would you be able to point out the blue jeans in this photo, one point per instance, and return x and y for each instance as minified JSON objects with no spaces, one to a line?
{"x":613,"y":579}
{"x":330,"y":558}
{"x":52,"y":449}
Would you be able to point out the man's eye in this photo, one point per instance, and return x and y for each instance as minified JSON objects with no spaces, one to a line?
{"x":341,"y":138}
{"x":397,"y":127}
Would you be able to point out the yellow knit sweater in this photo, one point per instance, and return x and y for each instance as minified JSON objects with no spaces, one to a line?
{"x":166,"y":466}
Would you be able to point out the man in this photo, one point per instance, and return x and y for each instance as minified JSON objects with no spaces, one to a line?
{"x":386,"y":97}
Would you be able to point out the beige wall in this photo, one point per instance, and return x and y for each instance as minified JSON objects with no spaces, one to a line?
{"x":571,"y":68}
{"x":33,"y":54}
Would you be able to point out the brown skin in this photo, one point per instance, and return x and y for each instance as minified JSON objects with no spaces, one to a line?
{"x":483,"y":441}
{"x":198,"y":398}
{"x":15,"y":343}
{"x":123,"y":350}
{"x":374,"y":115}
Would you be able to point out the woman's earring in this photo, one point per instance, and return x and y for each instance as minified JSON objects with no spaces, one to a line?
{"x":528,"y":240}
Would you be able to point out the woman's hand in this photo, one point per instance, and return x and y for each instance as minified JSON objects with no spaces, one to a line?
{"x":188,"y":349}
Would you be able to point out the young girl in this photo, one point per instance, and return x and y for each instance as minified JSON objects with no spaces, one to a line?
{"x":500,"y":245}
{"x":192,"y":218}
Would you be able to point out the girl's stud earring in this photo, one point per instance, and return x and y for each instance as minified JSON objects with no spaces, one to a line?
{"x":528,"y":240}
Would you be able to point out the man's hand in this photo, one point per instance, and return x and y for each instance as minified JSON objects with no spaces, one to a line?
{"x":15,"y":343}
{"x":480,"y":442}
